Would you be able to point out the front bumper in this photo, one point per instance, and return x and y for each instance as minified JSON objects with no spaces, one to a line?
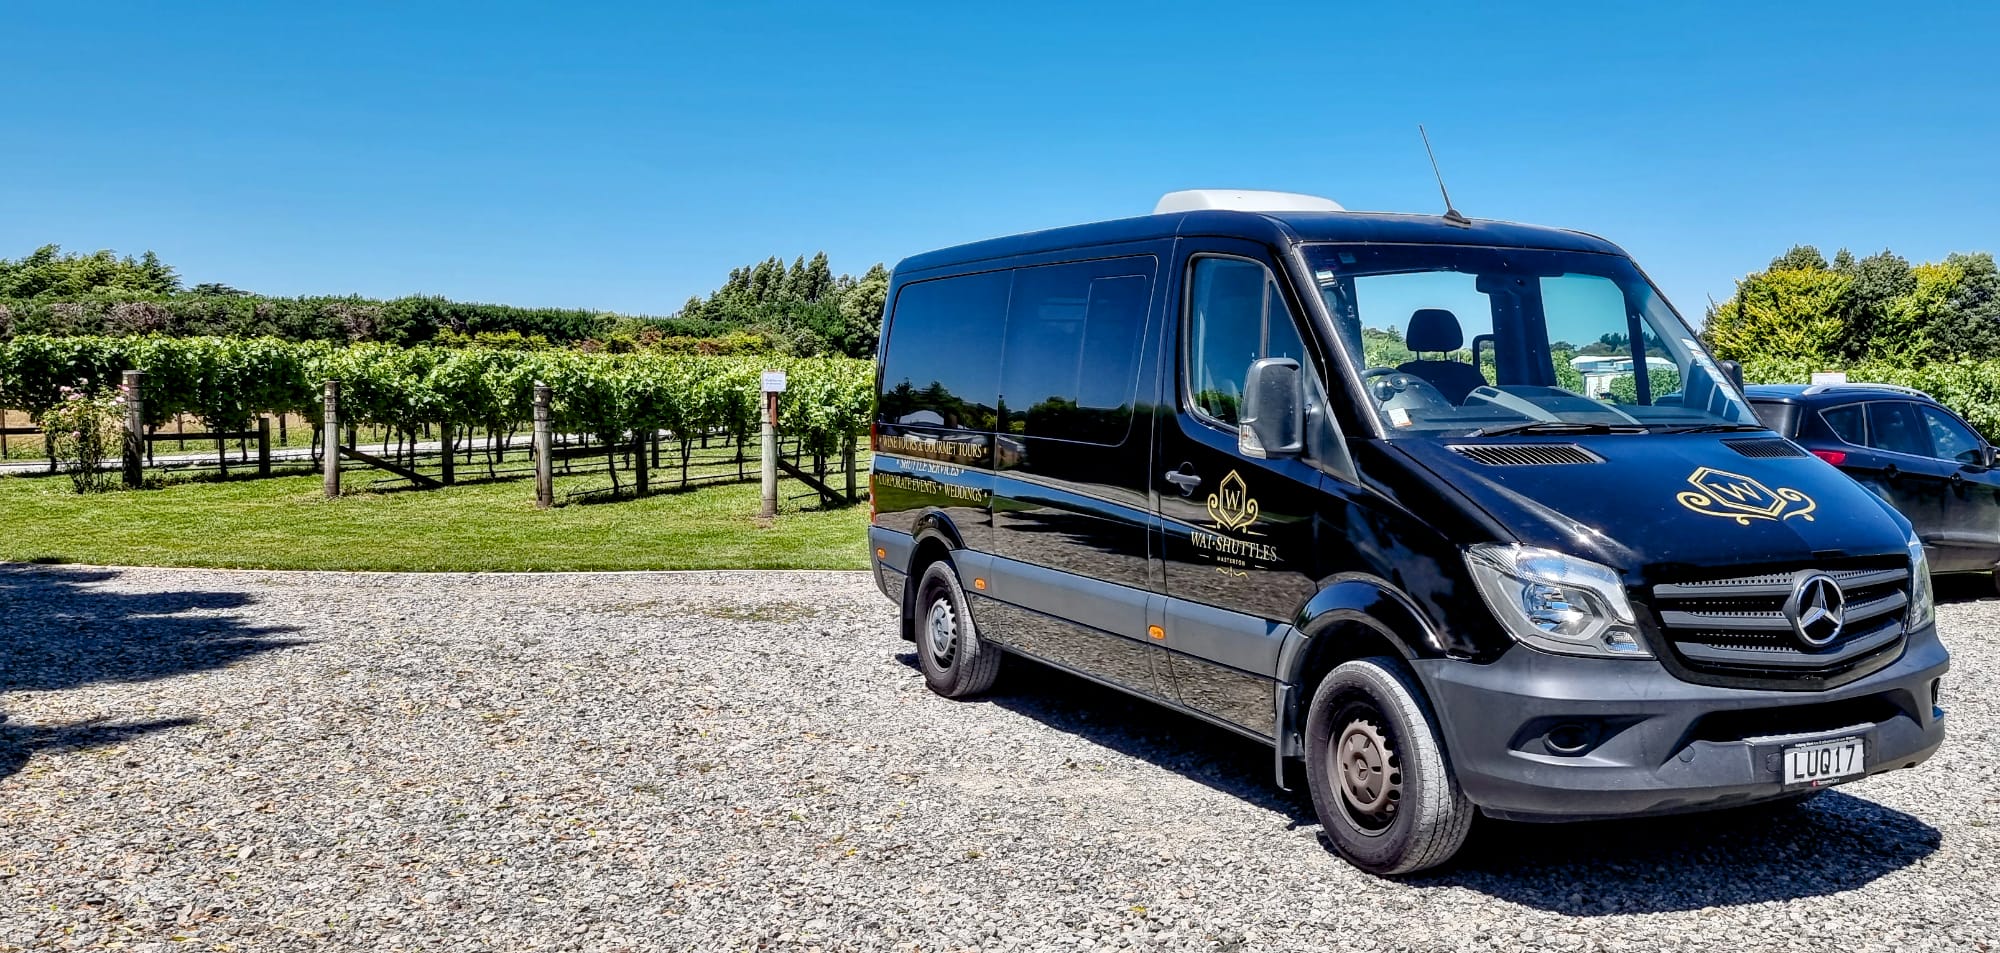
{"x":1634,"y":740}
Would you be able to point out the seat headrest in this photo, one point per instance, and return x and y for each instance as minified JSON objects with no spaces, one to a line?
{"x":1434,"y":329}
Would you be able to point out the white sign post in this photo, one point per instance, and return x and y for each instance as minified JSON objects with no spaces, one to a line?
{"x":773,"y":385}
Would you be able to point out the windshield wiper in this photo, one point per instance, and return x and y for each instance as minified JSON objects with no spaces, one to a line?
{"x":1714,"y":428}
{"x":1558,"y":426}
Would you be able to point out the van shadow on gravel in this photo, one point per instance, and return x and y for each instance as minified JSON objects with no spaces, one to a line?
{"x":1833,"y":843}
{"x":59,"y":631}
{"x":1183,"y":744}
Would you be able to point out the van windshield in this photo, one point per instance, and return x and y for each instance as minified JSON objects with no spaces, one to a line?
{"x":1458,"y":340}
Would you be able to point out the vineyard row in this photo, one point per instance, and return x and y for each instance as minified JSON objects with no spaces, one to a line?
{"x":228,"y":382}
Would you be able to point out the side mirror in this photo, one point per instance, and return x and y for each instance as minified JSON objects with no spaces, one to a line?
{"x":1989,"y":457}
{"x":1734,"y":371}
{"x":1273,"y":422}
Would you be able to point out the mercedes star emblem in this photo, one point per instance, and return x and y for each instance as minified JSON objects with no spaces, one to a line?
{"x":1815,"y":610}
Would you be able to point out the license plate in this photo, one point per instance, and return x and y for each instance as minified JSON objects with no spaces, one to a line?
{"x":1824,"y":761}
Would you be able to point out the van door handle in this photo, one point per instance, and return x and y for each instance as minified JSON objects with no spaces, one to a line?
{"x":1186,"y":481}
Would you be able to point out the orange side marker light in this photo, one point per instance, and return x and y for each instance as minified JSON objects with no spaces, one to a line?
{"x":1155,"y":632}
{"x":979,"y":584}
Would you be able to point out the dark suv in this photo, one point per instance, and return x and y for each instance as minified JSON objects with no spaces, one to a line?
{"x":1907,"y":448}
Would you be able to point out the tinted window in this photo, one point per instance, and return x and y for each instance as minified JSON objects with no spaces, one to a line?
{"x":1070,"y":364}
{"x":1780,"y":417}
{"x":1235,"y":317}
{"x":1894,"y":426}
{"x":940,"y":367}
{"x":1846,"y":423}
{"x":1950,"y":439}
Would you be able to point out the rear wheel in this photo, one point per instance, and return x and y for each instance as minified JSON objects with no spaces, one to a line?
{"x":1380,"y":782}
{"x":955,"y":661}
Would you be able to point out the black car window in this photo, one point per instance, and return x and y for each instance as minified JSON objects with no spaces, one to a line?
{"x":1235,"y":317}
{"x":1777,"y":415}
{"x":1893,"y":425}
{"x":1950,"y":439}
{"x":1846,"y":423}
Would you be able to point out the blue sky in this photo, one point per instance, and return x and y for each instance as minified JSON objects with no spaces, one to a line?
{"x":626,"y":155}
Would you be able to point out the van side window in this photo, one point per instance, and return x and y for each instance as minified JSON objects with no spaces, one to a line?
{"x":1070,"y":363}
{"x":1235,"y":316}
{"x":939,"y":369}
{"x":1846,"y":423}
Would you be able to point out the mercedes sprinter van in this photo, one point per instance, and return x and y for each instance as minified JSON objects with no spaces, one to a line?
{"x":1457,"y":515}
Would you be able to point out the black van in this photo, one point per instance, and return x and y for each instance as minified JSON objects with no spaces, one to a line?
{"x":1458,"y":514}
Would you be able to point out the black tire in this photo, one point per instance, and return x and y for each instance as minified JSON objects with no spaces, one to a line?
{"x":1380,"y":782}
{"x":956,"y":663}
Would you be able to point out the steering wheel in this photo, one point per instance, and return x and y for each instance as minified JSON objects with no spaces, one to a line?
{"x":1387,"y":384}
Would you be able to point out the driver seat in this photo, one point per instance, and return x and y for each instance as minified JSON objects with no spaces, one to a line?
{"x":1435,"y":329}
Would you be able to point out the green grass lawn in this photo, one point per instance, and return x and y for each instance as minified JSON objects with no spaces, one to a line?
{"x":285,"y":523}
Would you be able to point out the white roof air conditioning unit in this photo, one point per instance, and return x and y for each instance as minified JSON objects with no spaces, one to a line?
{"x":1243,"y":200}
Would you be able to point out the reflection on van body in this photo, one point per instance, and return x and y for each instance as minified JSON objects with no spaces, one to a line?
{"x":1392,"y":495}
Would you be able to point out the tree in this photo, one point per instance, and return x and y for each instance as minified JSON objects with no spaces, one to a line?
{"x":861,"y":308}
{"x":802,"y":308}
{"x":1800,"y":258}
{"x":49,"y":272}
{"x":1878,"y":308}
{"x":218,"y":289}
{"x":1870,"y":308}
{"x":1791,"y":313}
{"x":1970,"y":326}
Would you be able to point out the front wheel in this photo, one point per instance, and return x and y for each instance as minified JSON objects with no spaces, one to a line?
{"x":1380,"y":783}
{"x":956,"y":662}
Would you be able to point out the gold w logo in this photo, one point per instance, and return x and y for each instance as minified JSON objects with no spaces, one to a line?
{"x":1741,"y":492}
{"x":1741,"y":498}
{"x":1230,"y":506}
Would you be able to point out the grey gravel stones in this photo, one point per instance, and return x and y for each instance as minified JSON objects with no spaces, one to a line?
{"x":197,"y":760}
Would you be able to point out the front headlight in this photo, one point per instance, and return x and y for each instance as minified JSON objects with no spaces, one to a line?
{"x":1556,"y":603}
{"x":1923,"y":605}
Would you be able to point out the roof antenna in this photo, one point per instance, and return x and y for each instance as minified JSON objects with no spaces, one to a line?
{"x":1450,"y":214}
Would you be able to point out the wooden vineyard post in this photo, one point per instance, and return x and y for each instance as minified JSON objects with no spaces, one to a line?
{"x":135,"y":429}
{"x":330,"y":459}
{"x":773,"y":385}
{"x":545,"y":476}
{"x":445,"y":433}
{"x":847,"y":463}
{"x":640,"y":473}
{"x":264,"y":445}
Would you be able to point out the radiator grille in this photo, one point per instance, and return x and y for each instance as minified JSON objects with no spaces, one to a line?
{"x":1737,"y":626}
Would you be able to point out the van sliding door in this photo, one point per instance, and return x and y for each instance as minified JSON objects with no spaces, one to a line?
{"x":1070,"y":509}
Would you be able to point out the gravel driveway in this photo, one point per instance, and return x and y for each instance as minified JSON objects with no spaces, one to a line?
{"x":197,"y":760}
